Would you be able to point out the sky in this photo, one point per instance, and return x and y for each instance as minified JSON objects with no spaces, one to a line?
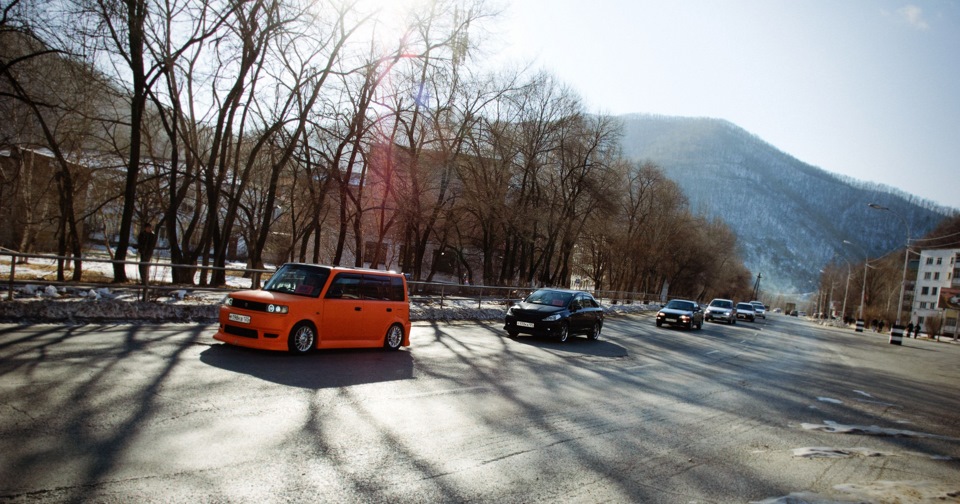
{"x":864,"y":88}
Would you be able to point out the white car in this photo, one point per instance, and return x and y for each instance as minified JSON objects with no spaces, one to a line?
{"x":721,"y":309}
{"x":746,"y":311}
{"x":759,"y":309}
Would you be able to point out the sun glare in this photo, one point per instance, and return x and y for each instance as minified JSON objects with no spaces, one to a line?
{"x":390,"y":19}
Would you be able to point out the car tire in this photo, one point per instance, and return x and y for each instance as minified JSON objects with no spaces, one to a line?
{"x":564,"y":333}
{"x":700,"y":325}
{"x":595,"y":333}
{"x":302,"y":339}
{"x":659,"y":324}
{"x":394,"y":338}
{"x":513,"y":334}
{"x":733,"y":321}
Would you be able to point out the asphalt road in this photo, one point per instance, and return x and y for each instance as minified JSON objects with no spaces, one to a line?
{"x":781,"y":410}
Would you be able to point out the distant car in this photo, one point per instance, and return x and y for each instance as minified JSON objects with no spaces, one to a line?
{"x":555,"y":313}
{"x":681,"y":312}
{"x":760,"y":309}
{"x":721,"y":309}
{"x":745,"y":311}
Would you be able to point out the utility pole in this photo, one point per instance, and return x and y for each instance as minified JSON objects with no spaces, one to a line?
{"x":756,"y":287}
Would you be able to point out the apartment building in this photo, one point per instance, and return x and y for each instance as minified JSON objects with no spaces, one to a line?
{"x":937,"y":288}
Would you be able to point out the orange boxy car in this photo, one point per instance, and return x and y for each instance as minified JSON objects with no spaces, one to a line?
{"x":307,"y":306}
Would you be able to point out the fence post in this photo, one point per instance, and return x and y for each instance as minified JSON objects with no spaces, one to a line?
{"x":480,"y":299}
{"x":13,"y":269}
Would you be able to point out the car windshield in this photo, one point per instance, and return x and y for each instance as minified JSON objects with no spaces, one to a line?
{"x":680,"y":305}
{"x":720,"y":303}
{"x":549,"y":298}
{"x":745,"y":306}
{"x":299,"y":279}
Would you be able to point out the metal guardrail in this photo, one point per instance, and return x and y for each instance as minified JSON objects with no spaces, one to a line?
{"x":422,"y":292}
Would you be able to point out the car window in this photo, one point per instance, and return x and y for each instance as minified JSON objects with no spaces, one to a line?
{"x":345,"y":286}
{"x":720,"y":303}
{"x":680,"y":305}
{"x":298,"y":279}
{"x":550,"y":298}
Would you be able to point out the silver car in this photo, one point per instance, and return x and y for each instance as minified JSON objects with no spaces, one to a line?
{"x":746,"y":312}
{"x":721,"y":309}
{"x":760,"y":309}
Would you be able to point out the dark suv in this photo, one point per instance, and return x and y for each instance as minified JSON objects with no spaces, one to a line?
{"x":555,"y":313}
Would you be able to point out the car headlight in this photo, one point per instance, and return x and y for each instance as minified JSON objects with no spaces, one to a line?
{"x":276,"y":309}
{"x":227,"y":300}
{"x":551,"y":318}
{"x":510,"y":310}
{"x":661,"y":315}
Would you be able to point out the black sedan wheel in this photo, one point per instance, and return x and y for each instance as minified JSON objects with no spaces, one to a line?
{"x":595,"y":333}
{"x":564,"y":333}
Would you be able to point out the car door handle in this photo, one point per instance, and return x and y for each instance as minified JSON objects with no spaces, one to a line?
{"x":357,"y":308}
{"x":389,"y":310}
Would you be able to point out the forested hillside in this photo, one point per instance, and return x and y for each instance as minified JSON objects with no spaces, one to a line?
{"x":791,"y":218}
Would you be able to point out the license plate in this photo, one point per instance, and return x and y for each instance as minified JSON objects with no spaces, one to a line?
{"x":236,"y":317}
{"x":671,"y":320}
{"x":525,"y":324}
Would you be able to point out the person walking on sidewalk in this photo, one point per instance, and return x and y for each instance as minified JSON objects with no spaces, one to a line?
{"x":146,"y":242}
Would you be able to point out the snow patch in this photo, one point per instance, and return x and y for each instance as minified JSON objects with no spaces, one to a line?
{"x":824,"y":452}
{"x":829,"y":400}
{"x":837,"y":428}
{"x":879,"y":491}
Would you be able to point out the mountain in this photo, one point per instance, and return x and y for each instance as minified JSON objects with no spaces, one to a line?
{"x":791,"y":218}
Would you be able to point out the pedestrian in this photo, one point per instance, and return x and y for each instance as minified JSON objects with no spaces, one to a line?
{"x":909,"y":329}
{"x":916,"y":330}
{"x":880,"y":326}
{"x":146,"y":242}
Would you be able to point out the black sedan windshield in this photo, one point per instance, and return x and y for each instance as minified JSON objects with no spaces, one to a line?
{"x":549,"y":298}
{"x":680,"y":305}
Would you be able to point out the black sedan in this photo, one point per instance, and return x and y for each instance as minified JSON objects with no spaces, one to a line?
{"x":555,"y":313}
{"x":682,"y":313}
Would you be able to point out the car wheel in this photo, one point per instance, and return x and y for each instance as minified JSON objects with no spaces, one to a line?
{"x":302,"y":338}
{"x":659,"y":324}
{"x":733,"y":321}
{"x":595,"y":333}
{"x":394,"y":338}
{"x":700,"y":325}
{"x":564,"y":333}
{"x":513,"y":334}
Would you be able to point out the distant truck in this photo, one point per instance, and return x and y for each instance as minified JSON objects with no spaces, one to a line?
{"x":790,"y":308}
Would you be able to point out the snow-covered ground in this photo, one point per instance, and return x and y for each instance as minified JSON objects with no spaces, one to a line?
{"x":38,"y":303}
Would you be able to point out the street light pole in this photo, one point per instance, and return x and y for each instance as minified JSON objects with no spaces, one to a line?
{"x":843,"y":315}
{"x":906,"y":256}
{"x":863,"y":289}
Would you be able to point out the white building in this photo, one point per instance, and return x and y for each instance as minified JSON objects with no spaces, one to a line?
{"x":939,"y":269}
